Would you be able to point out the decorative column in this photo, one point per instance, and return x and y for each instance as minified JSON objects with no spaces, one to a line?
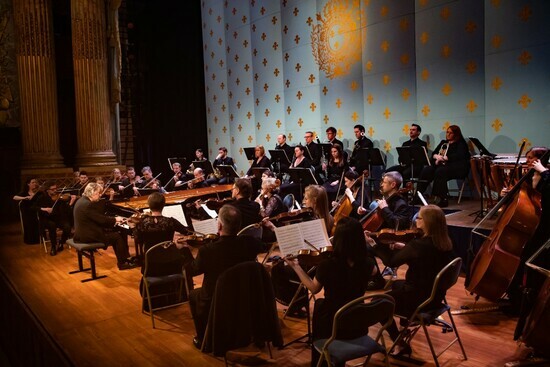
{"x":93,"y":120}
{"x":37,"y":84}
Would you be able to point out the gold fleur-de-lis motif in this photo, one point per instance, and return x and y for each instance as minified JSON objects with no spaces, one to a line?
{"x":257,"y":101}
{"x":268,"y":137}
{"x":370,"y":98}
{"x":231,"y":117}
{"x":353,"y":85}
{"x":386,"y":79}
{"x":232,"y":140}
{"x":278,"y":123}
{"x":247,"y":91}
{"x":288,"y":110}
{"x":300,"y":122}
{"x":496,"y":83}
{"x":425,"y":74}
{"x":275,"y":46}
{"x":404,"y":24}
{"x":470,"y":27}
{"x":295,"y":12}
{"x":447,"y":89}
{"x":249,"y":115}
{"x":213,"y":76}
{"x":384,"y":11}
{"x":276,"y":72}
{"x":266,"y":112}
{"x":525,"y":13}
{"x":495,"y":3}
{"x":527,"y":143}
{"x":446,"y":125}
{"x":289,"y":136}
{"x":274,"y":20}
{"x":445,"y":13}
{"x":262,"y":10}
{"x":299,"y":95}
{"x":234,"y":11}
{"x":496,"y":41}
{"x":287,"y":56}
{"x":371,"y":131}
{"x":312,"y":106}
{"x":235,"y":34}
{"x":209,"y":131}
{"x":405,"y":129}
{"x":277,"y":98}
{"x":266,"y":87}
{"x":387,"y":147}
{"x":221,"y":63}
{"x":387,"y":113}
{"x":471,"y":106}
{"x":263,"y":36}
{"x":405,"y":59}
{"x":311,"y":78}
{"x":424,"y":37}
{"x":471,"y":67}
{"x":245,"y":43}
{"x":238,"y":105}
{"x":224,"y":129}
{"x":246,"y":67}
{"x":223,"y":107}
{"x":214,"y":98}
{"x":287,"y":83}
{"x":423,"y":2}
{"x":215,"y":119}
{"x":325,"y":90}
{"x":524,"y":101}
{"x":385,"y":45}
{"x":309,"y":21}
{"x":355,"y":116}
{"x":250,"y":139}
{"x":405,"y":94}
{"x":326,"y":119}
{"x":368,"y":65}
{"x":241,"y":153}
{"x":497,"y":124}
{"x":297,"y":39}
{"x":285,"y":29}
{"x":256,"y":76}
{"x":264,"y":62}
{"x":446,"y":51}
{"x":339,"y":133}
{"x":240,"y":127}
{"x":524,"y":58}
{"x":338,"y":102}
{"x":217,"y":141}
{"x":426,"y":110}
{"x":298,"y":67}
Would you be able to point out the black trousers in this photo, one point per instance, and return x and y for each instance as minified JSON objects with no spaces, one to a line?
{"x":119,"y":243}
{"x":200,"y":308}
{"x":51,"y":226}
{"x":440,"y":175}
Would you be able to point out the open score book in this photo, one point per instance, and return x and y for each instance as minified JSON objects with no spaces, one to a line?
{"x":291,"y":238}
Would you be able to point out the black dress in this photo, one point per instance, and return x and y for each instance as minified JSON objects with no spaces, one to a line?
{"x":29,"y":219}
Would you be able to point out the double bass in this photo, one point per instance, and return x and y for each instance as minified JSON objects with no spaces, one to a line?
{"x":498,"y":258}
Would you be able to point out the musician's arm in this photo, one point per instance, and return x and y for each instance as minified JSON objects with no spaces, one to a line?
{"x":313,"y":285}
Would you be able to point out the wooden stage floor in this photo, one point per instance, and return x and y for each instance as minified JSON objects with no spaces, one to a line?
{"x":105,"y":315}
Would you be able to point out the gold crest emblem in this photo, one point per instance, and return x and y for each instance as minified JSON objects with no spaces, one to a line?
{"x":336,"y":38}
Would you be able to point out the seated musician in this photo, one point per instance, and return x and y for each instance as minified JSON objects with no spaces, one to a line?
{"x":336,"y":166}
{"x":393,"y":208}
{"x":54,"y":212}
{"x":242,"y":195}
{"x":213,"y":259}
{"x":199,"y":180}
{"x":91,"y":225}
{"x":451,"y":159}
{"x":425,"y":257}
{"x":116,"y":175}
{"x":146,"y":178}
{"x":26,"y":198}
{"x":343,"y":276}
{"x":176,"y":182}
{"x":356,"y":192}
{"x":199,"y":156}
{"x":82,"y":180}
{"x":269,"y":200}
{"x":414,"y":141}
{"x":222,"y":159}
{"x":260,"y":160}
{"x":129,"y":183}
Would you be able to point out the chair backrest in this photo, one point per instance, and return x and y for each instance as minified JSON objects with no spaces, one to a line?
{"x":354,"y":318}
{"x":253,"y":230}
{"x":161,"y":253}
{"x":288,"y":202}
{"x":445,"y":279}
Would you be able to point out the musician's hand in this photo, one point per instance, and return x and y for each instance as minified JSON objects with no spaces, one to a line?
{"x":120,"y":187}
{"x":539,"y":167}
{"x":73,"y":200}
{"x":47,"y":210}
{"x":292,"y":262}
{"x":119,"y":219}
{"x":136,"y":190}
{"x":369,"y":240}
{"x":504,"y":191}
{"x":397,"y":245}
{"x":382,"y":204}
{"x":334,"y":183}
{"x":334,"y":204}
{"x":361,"y":210}
{"x":268,"y":224}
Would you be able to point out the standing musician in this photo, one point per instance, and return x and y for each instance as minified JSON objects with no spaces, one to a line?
{"x":451,"y":159}
{"x":242,"y":195}
{"x":176,"y":182}
{"x":361,"y":142}
{"x":344,"y":277}
{"x":26,"y":198}
{"x":282,"y":145}
{"x":222,"y":159}
{"x":336,"y":166}
{"x":129,"y":183}
{"x":331,"y":137}
{"x":91,"y":226}
{"x":54,"y":212}
{"x":213,"y":259}
{"x":300,"y":160}
{"x":260,"y":160}
{"x":414,"y":141}
{"x":312,"y":151}
{"x":425,"y":257}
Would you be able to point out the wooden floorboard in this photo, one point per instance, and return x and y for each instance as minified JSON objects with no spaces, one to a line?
{"x":105,"y":315}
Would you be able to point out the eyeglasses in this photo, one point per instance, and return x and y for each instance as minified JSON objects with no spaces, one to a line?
{"x":417,"y":218}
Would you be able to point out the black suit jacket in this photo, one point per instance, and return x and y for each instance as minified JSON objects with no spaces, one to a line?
{"x":89,"y":222}
{"x":250,"y":211}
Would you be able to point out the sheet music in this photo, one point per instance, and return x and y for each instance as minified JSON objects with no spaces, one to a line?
{"x":210,"y":212}
{"x":209,"y":226}
{"x":291,"y":238}
{"x":176,"y":212}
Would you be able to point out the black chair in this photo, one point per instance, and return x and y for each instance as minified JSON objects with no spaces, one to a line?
{"x":427,"y":313}
{"x":163,"y":271}
{"x":289,"y":202}
{"x":255,"y":230}
{"x":243,"y":311}
{"x":350,"y":329}
{"x":42,"y":235}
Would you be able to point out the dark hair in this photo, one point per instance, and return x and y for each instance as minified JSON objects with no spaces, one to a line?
{"x":284,"y":136}
{"x":130,"y":168}
{"x":417,"y":127}
{"x":268,"y":173}
{"x":199,"y":150}
{"x":223,"y":148}
{"x":331,"y":129}
{"x":539,"y":152}
{"x":83,"y":173}
{"x":301,"y":147}
{"x":341,"y":161}
{"x":349,"y":241}
{"x":27,"y":182}
{"x":456,"y":131}
{"x":352,"y":176}
{"x":245,"y":187}
{"x":230,"y":218}
{"x":156,"y":201}
{"x":46,"y":185}
{"x":360,"y":127}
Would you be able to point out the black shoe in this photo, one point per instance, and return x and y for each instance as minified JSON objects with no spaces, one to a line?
{"x":197,"y":342}
{"x":53,"y":251}
{"x":377,"y":283}
{"x":402,"y":350}
{"x":126,"y":265}
{"x":60,"y":247}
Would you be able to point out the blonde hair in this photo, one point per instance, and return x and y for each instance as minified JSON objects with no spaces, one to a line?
{"x":435,"y":226}
{"x":270,"y":183}
{"x":91,"y":189}
{"x":317,"y":195}
{"x":261,"y":148}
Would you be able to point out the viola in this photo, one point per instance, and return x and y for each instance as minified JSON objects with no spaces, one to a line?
{"x":61,"y":197}
{"x":345,"y":206}
{"x":386,"y":236}
{"x":293,"y":215}
{"x":373,"y":220}
{"x":197,"y":239}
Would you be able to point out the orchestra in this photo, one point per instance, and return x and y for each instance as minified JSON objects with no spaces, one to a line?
{"x":356,"y":219}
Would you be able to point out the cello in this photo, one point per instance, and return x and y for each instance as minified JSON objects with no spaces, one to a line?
{"x":498,"y":258}
{"x":373,"y":220}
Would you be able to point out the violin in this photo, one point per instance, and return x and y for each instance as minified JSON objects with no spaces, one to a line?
{"x":293,"y":215}
{"x":212,"y":204}
{"x":386,"y":236}
{"x":313,"y":257}
{"x":197,"y":239}
{"x":60,"y":196}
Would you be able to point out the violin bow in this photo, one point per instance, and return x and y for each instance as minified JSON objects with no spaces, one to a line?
{"x":311,"y":245}
{"x":515,"y":170}
{"x":339,"y":187}
{"x":61,"y":193}
{"x":153,"y":179}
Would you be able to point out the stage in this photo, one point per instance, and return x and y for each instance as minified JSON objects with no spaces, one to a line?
{"x":50,"y":318}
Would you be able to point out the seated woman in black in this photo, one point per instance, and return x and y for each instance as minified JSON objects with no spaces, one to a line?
{"x":336,"y":166}
{"x":344,"y":277}
{"x":270,"y":202}
{"x":425,"y":256}
{"x":450,"y":159}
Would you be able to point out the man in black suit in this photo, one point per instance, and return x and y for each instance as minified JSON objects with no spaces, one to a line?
{"x":281,"y":144}
{"x":361,"y":142}
{"x":213,"y":259}
{"x":414,"y":141}
{"x":90,"y":225}
{"x":331,"y":137}
{"x":222,"y":159}
{"x":242,"y":194}
{"x":312,"y":151}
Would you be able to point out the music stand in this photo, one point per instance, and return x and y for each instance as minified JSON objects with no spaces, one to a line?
{"x":206,"y":166}
{"x":411,"y":156}
{"x":228,"y":171}
{"x":303,"y":177}
{"x":372,"y":157}
{"x":481,"y":147}
{"x":258,"y":171}
{"x":181,"y":161}
{"x":250,"y":153}
{"x":278,"y":157}
{"x":325,"y":149}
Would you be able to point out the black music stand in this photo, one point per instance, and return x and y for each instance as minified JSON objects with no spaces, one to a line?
{"x":114,"y":186}
{"x":482,"y":150}
{"x":370,"y":157}
{"x":411,"y":156}
{"x":278,"y":157}
{"x":206,"y":166}
{"x":325,"y":149}
{"x":303,"y":177}
{"x":250,"y":153}
{"x":228,"y":171}
{"x":179,"y":160}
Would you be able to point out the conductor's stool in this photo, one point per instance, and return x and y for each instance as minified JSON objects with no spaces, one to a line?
{"x":86,"y":250}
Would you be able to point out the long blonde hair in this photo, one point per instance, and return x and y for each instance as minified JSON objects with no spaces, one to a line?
{"x":317,"y":195}
{"x":435,"y":226}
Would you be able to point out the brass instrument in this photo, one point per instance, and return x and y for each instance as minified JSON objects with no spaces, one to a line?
{"x":443,"y":149}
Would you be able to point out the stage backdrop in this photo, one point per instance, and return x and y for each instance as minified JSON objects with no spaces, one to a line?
{"x":290,"y":66}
